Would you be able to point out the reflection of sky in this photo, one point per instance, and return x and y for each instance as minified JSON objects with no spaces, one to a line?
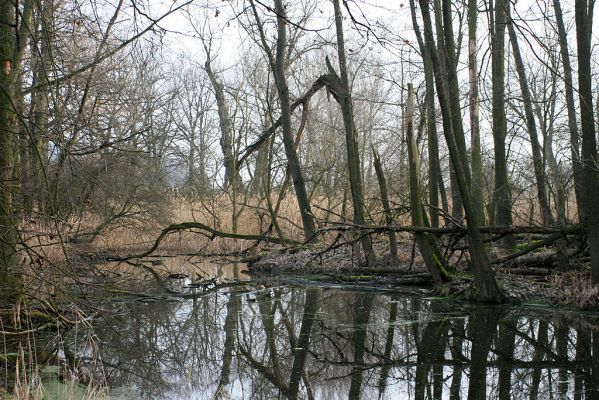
{"x":175,"y":350}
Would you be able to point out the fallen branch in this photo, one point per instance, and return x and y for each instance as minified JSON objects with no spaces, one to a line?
{"x":512,"y":229}
{"x":213,"y":232}
{"x":527,"y":271}
{"x":566,"y":230}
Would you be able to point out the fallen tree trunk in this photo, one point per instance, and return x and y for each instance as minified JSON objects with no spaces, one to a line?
{"x":555,"y":232}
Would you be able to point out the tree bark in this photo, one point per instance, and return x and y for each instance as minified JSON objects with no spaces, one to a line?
{"x":8,"y":134}
{"x":475,"y":149}
{"x":502,"y":193}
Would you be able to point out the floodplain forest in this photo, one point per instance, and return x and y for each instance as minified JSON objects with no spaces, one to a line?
{"x":450,"y":145}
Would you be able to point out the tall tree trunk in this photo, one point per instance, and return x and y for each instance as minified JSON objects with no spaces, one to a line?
{"x":444,"y":25}
{"x":434,"y":165}
{"x":475,"y":149}
{"x":486,"y":285}
{"x":432,"y":257}
{"x":537,"y":155}
{"x":590,"y":175}
{"x":353,"y":157}
{"x":292,"y":157}
{"x":8,"y":149}
{"x":38,"y":154}
{"x":571,"y":107}
{"x":502,"y":193}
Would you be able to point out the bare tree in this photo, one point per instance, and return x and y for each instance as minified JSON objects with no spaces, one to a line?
{"x":448,"y":94}
{"x":340,"y":88}
{"x":277,"y":64}
{"x":537,"y":156}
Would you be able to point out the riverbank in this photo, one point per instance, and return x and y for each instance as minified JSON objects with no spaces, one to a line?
{"x":539,"y":285}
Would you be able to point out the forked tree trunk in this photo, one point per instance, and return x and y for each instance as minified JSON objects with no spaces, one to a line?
{"x":486,"y":286}
{"x":435,"y":178}
{"x":443,"y":24}
{"x":277,"y":65}
{"x":232,"y":177}
{"x":293,"y":162}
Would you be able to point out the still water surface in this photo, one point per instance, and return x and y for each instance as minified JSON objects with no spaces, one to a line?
{"x":282,"y":341}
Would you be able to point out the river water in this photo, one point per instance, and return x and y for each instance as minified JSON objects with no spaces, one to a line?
{"x":277,"y":341}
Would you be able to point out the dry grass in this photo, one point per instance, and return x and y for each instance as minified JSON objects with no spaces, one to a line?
{"x":217,"y":213}
{"x":43,"y":246}
{"x":576,"y":288}
{"x":27,"y":372}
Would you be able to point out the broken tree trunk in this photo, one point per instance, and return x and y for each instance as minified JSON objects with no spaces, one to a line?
{"x":386,"y":206}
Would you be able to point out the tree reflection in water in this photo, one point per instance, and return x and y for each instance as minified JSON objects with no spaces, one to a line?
{"x":289,"y":342}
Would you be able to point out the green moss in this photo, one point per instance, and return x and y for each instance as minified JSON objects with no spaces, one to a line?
{"x":40,"y":315}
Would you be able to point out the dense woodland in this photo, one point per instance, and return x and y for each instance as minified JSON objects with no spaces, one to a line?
{"x":367,"y":118}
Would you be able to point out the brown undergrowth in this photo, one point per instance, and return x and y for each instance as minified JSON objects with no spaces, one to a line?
{"x":59,"y":245}
{"x":575,"y":288}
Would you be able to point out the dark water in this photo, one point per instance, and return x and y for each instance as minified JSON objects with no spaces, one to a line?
{"x":331,"y":343}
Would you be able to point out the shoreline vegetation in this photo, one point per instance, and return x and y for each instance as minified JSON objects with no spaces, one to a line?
{"x":74,"y":272}
{"x":554,"y":260}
